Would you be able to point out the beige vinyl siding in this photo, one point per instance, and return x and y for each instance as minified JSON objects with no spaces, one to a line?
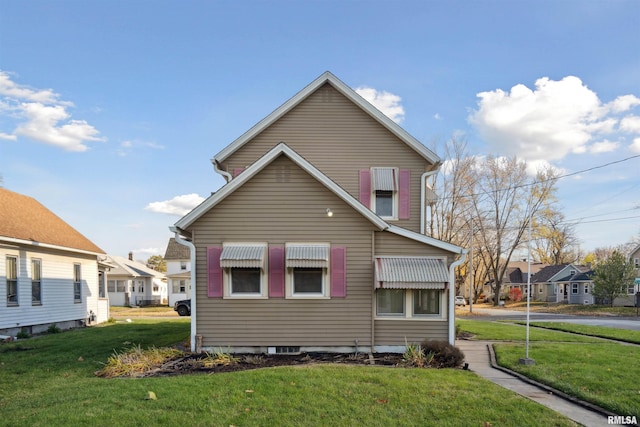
{"x":390,"y":244}
{"x":339,"y":139}
{"x":284,"y":204}
{"x":394,"y":332}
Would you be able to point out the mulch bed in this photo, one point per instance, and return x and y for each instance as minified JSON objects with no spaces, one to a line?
{"x":199,"y":364}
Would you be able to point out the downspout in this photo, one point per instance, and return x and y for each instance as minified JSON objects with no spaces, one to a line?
{"x":192,"y":255}
{"x":423,"y":196}
{"x":227,"y":176}
{"x":452,"y":286}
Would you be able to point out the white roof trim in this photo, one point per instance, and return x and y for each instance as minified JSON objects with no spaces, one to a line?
{"x":34,"y":244}
{"x":328,"y":77}
{"x":426,"y":240}
{"x":260,"y":164}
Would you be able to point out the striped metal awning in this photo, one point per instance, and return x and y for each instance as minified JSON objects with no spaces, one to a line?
{"x":243,"y":256}
{"x":383,"y":179}
{"x":411,"y":273}
{"x":308,"y":256}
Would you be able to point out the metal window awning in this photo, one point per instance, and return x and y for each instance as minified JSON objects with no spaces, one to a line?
{"x":410,"y":273}
{"x":307,"y":256}
{"x":243,"y":256}
{"x":383,"y":179}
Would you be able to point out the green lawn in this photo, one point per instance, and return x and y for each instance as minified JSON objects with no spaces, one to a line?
{"x":49,"y":381}
{"x":587,"y":367}
{"x":595,"y":331}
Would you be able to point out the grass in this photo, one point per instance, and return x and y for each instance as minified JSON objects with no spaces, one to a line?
{"x":50,"y":380}
{"x":500,"y":331}
{"x":575,"y":309}
{"x":602,"y":373}
{"x":594,"y":331}
{"x":586,"y":367}
{"x":124,"y":312}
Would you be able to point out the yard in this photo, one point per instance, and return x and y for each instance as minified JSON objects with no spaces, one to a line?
{"x":49,"y":380}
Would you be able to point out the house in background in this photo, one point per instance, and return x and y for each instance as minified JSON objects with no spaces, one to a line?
{"x":564,"y":283}
{"x":49,"y":272}
{"x":634,"y":257}
{"x":316,"y":242}
{"x":132,"y":283}
{"x":178,"y":260}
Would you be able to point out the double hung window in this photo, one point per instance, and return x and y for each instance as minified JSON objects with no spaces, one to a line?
{"x":12,"y":280}
{"x":244,"y":270}
{"x":36,"y":282}
{"x":307,"y":266}
{"x":77,"y":283}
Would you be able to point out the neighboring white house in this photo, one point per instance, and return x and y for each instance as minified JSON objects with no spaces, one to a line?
{"x":178,"y":260}
{"x":49,"y":272}
{"x":132,"y":283}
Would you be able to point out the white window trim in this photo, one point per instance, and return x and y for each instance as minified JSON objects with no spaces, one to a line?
{"x":264,"y":277}
{"x":575,"y":288}
{"x":408,"y":309}
{"x":326,"y":286}
{"x":395,"y":199}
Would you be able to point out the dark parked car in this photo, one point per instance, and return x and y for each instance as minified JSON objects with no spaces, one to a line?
{"x":183,"y":307}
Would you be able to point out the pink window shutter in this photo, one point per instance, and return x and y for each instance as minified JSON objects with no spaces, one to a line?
{"x":338,"y":272}
{"x":276,"y":272}
{"x":404,"y":192}
{"x":237,"y":171}
{"x":365,"y":187}
{"x":214,"y":272}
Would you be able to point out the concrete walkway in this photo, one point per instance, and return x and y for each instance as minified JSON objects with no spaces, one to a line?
{"x":478,"y":357}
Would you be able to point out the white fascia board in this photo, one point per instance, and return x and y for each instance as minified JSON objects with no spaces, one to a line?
{"x":260,"y":164}
{"x":12,"y":240}
{"x":351,"y":94}
{"x":427,"y":240}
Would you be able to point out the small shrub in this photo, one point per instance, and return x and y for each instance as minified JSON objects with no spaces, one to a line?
{"x":515,"y":294}
{"x":458,"y":330}
{"x":111,"y":320}
{"x":53,"y":329}
{"x":444,"y":355}
{"x":219,"y":357}
{"x":136,"y":361}
{"x":23,"y":334}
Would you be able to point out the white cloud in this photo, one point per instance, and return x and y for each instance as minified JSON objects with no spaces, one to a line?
{"x":384,"y":101}
{"x":40,"y":115}
{"x":635,"y":146}
{"x":127,"y":146}
{"x":630,"y":124}
{"x":549,"y":122}
{"x":8,"y":137}
{"x":179,"y":205}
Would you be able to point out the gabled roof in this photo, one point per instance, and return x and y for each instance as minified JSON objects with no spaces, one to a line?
{"x":284,"y":149}
{"x":345,"y":90}
{"x":547,"y":273}
{"x":176,"y":251}
{"x":126,"y":267}
{"x":25,"y":220}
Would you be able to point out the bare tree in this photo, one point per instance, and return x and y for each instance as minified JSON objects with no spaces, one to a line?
{"x":504,"y":199}
{"x":554,"y":240}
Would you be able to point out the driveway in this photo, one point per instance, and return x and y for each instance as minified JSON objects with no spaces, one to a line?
{"x":489,"y":314}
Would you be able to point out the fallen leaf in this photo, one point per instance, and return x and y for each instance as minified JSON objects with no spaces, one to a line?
{"x":80,"y":359}
{"x":382,"y":401}
{"x":151,"y":396}
{"x":248,"y":391}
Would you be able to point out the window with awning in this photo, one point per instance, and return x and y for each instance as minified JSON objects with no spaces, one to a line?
{"x":307,"y":265}
{"x":307,"y":256}
{"x":243,"y":256}
{"x":410,"y":273}
{"x":244,"y":267}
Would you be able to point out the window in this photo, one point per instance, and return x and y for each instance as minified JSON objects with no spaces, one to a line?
{"x":111,"y":286}
{"x":179,"y":286}
{"x":574,"y":288}
{"x":636,"y":262}
{"x":418,"y":303}
{"x":384,"y":183}
{"x":36,"y":288}
{"x":101,"y":286}
{"x":12,"y":280}
{"x":390,"y":302}
{"x":308,"y":281}
{"x":426,"y":302}
{"x":307,"y":266}
{"x":244,"y":270}
{"x":183,"y":265}
{"x":77,"y":283}
{"x":245,"y":281}
{"x":631,"y":289}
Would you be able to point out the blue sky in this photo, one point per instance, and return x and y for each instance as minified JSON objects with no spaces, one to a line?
{"x":110,"y":111}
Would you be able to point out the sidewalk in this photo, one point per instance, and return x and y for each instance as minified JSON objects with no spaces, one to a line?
{"x":477,"y":356}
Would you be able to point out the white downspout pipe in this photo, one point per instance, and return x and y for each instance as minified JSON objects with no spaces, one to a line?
{"x":227,"y":176}
{"x":423,"y":196}
{"x":192,"y":254}
{"x":452,"y":287}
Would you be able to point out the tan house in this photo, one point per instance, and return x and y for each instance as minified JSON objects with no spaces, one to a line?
{"x":49,"y":272}
{"x":315,"y":242}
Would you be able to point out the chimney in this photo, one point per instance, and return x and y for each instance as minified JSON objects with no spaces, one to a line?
{"x":130,"y":256}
